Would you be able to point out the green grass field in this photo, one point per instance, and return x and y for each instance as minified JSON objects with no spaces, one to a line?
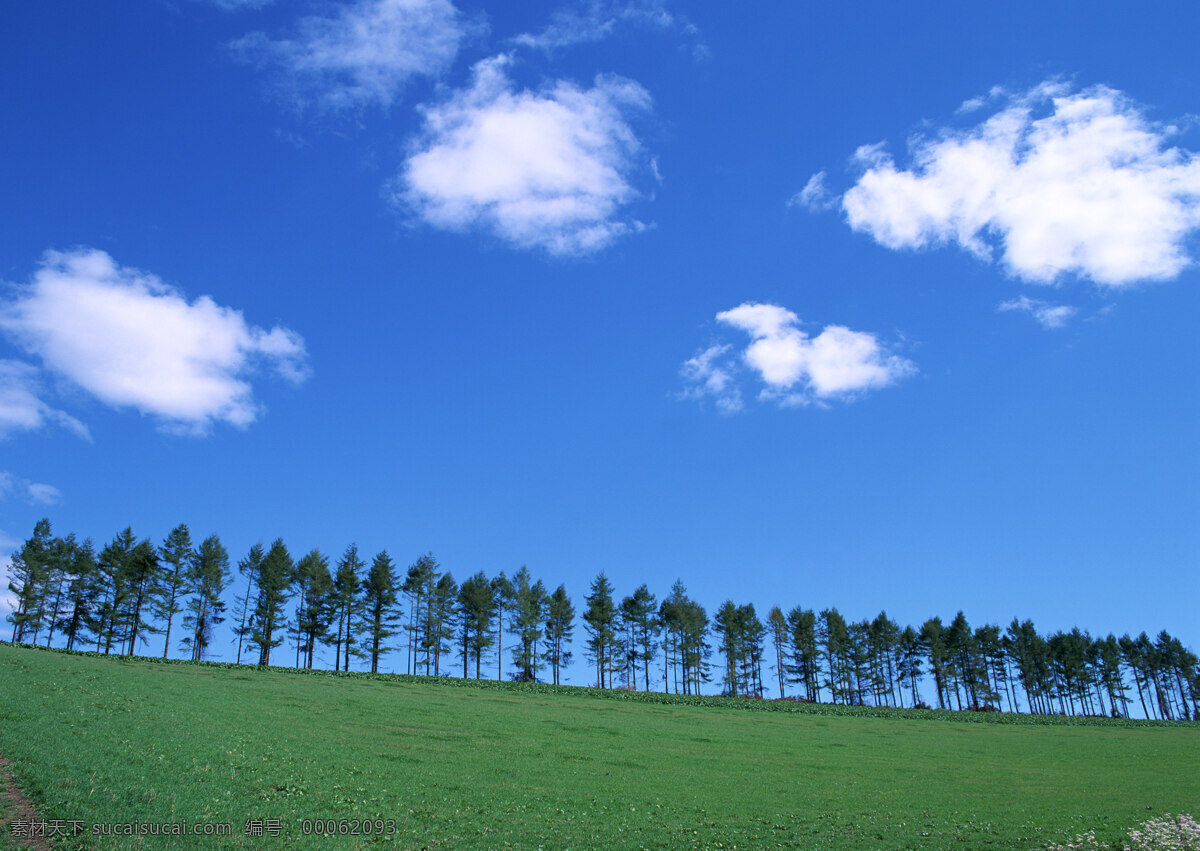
{"x":122,"y":741}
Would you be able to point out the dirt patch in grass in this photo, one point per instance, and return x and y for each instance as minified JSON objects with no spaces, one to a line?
{"x":15,"y":807}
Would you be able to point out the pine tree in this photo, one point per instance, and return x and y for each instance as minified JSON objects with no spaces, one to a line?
{"x":933,"y":642}
{"x":422,"y":577}
{"x":779,"y":638}
{"x":30,"y":569}
{"x":142,"y":577}
{"x":443,"y":618}
{"x":379,"y":608}
{"x":272,"y":580}
{"x":250,"y":567}
{"x":804,"y":651}
{"x":639,"y":616}
{"x":83,"y":590}
{"x":600,"y":621}
{"x":686,"y":625}
{"x":113,"y":571}
{"x":207,"y":580}
{"x":346,"y":605}
{"x":560,"y":625}
{"x":528,"y":619}
{"x":177,"y":558}
{"x":314,"y":613}
{"x":505,"y":596}
{"x":477,"y":604}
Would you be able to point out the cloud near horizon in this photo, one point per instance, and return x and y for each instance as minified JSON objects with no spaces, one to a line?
{"x":130,"y":340}
{"x":552,"y":169}
{"x":793,"y":367}
{"x":363,"y":55}
{"x":1058,"y":182}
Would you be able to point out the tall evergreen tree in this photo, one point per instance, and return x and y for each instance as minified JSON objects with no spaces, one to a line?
{"x":529,"y":615}
{"x":142,"y":584}
{"x":505,"y":596}
{"x":686,"y":625}
{"x":639,"y":614}
{"x":113,"y":571}
{"x":805,"y":651}
{"x":205,"y":608}
{"x":345,"y":603}
{"x":560,"y":625}
{"x":30,"y":570}
{"x":57,"y":582}
{"x":250,"y":567}
{"x":476,"y":605}
{"x":273,"y":583}
{"x":834,"y":637}
{"x":176,"y":560}
{"x":933,"y":641}
{"x":313,"y":613}
{"x":600,"y":620}
{"x":779,"y":639}
{"x":379,"y":608}
{"x":443,"y":619}
{"x":909,"y":666}
{"x":422,"y":577}
{"x":83,"y":591}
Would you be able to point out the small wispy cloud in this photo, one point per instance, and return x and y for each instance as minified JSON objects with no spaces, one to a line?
{"x":131,"y":340}
{"x":235,"y":5}
{"x":791,"y":367}
{"x":708,"y":374}
{"x":815,"y":195}
{"x":1059,"y":182}
{"x":1049,"y":316}
{"x":35,"y":493}
{"x":597,"y":20}
{"x":21,"y":404}
{"x":364,"y":54}
{"x":551,"y":169}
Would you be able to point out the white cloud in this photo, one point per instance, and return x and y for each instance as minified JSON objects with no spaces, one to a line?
{"x":236,"y":5}
{"x":795,"y":368}
{"x":130,"y":340}
{"x":1048,"y":315}
{"x":21,"y":407}
{"x":597,"y":20}
{"x":44,"y":494}
{"x":549,"y":169}
{"x":34,"y":492}
{"x":706,"y":375}
{"x":1060,"y":182}
{"x":815,"y":195}
{"x":364,"y":54}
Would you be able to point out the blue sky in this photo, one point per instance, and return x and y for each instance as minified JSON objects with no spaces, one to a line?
{"x":839,"y":306}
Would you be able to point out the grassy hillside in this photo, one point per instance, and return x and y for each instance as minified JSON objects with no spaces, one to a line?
{"x":107,"y":740}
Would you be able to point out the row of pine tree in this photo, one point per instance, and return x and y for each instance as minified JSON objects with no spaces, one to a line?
{"x":131,"y":590}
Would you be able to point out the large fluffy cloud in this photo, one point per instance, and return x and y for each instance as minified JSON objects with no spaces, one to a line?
{"x":362,"y":55}
{"x":1060,"y":182}
{"x":792,"y":367}
{"x":550,"y":169}
{"x":130,"y":340}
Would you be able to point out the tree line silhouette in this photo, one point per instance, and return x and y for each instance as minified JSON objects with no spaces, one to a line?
{"x":131,"y":590}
